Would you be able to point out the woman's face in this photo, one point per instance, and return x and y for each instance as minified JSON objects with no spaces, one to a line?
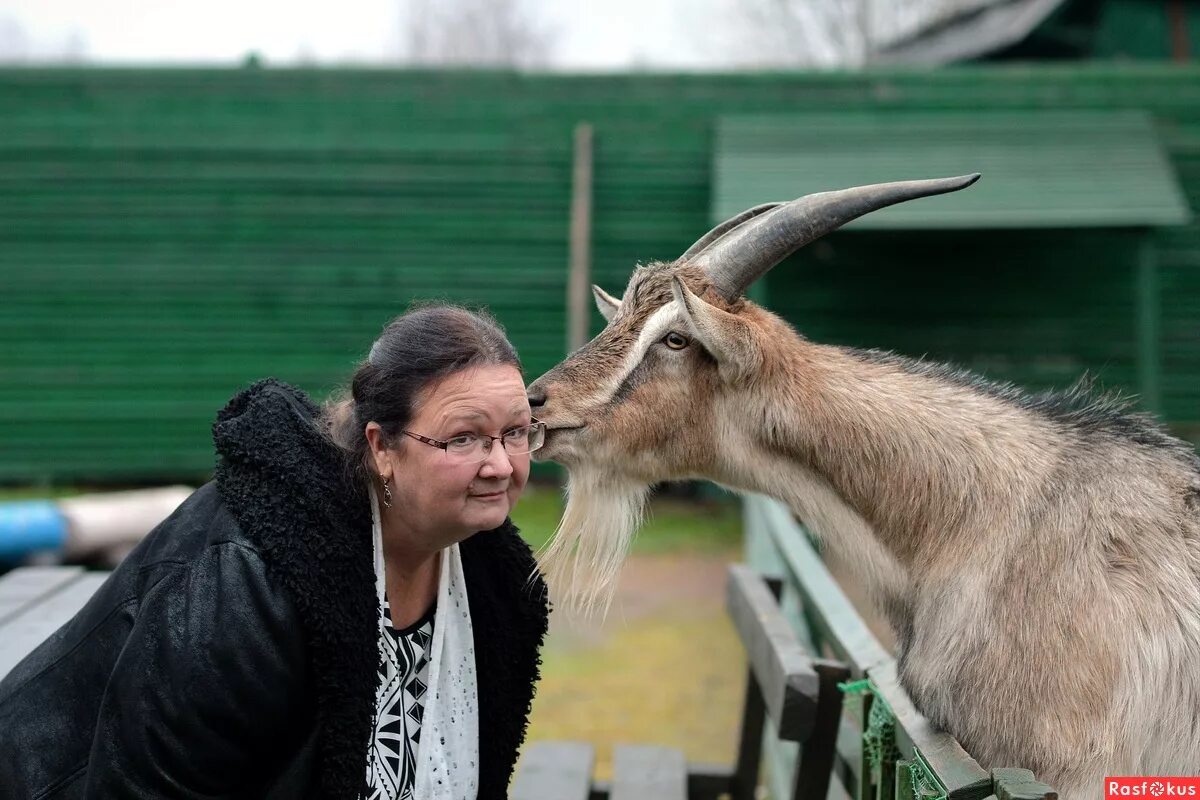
{"x":443,"y":499}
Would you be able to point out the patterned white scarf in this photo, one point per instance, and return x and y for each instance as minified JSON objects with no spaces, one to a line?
{"x":448,"y":753}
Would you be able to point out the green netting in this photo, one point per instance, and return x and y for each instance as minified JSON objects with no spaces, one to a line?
{"x":925,"y":785}
{"x":879,"y":737}
{"x":853,"y":692}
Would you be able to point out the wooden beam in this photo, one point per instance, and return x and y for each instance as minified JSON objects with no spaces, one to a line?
{"x":34,"y":624}
{"x":554,"y":771}
{"x":744,"y":783}
{"x":790,"y":685}
{"x":842,"y":627}
{"x":708,"y":781}
{"x":25,"y":586}
{"x":1177,"y":14}
{"x":642,"y":772}
{"x":961,"y":775}
{"x":814,"y":768}
{"x":1020,"y":784}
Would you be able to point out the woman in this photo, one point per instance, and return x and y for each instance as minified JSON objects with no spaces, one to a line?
{"x":345,"y":611}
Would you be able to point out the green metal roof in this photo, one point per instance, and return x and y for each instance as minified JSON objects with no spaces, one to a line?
{"x":1041,"y":169}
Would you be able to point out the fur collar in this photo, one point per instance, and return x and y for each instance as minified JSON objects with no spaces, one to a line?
{"x":288,"y":489}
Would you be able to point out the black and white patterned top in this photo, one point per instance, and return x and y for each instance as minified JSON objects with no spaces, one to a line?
{"x":399,"y":706}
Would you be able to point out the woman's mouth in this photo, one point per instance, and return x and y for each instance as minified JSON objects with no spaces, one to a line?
{"x":489,"y":496}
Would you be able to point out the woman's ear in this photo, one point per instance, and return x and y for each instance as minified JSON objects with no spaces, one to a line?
{"x":377,"y":443}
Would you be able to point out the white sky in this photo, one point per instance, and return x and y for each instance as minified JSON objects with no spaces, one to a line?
{"x":625,"y":33}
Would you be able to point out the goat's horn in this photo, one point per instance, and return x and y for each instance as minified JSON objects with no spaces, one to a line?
{"x":741,"y":250}
{"x":724,"y":228}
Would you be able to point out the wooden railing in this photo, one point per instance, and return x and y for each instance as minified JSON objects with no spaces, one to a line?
{"x":886,"y":750}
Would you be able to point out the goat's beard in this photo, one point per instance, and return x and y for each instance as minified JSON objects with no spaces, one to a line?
{"x":583,"y":560}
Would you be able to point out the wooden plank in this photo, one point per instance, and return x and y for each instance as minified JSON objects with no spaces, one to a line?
{"x":849,"y":761}
{"x":708,"y":781}
{"x":779,"y":764}
{"x":554,"y":771}
{"x":642,"y":772}
{"x":962,"y":776}
{"x":25,"y":585}
{"x":36,"y":622}
{"x":1012,"y":783}
{"x":785,"y":673}
{"x":840,"y":624}
{"x":837,"y":791}
{"x":744,"y":782}
{"x":815,"y":768}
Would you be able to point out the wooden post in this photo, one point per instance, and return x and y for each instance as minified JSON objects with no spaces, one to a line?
{"x":1177,"y":14}
{"x":579,"y":270}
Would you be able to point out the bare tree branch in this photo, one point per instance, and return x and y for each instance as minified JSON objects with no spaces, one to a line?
{"x":845,"y":33}
{"x":15,"y":46}
{"x":18,"y":47}
{"x":796,"y":33}
{"x":474,"y":33}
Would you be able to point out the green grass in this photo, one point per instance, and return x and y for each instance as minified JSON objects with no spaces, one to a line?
{"x":672,"y":524}
{"x":16,"y":494}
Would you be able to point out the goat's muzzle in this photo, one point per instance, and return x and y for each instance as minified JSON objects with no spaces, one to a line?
{"x":558,"y":444}
{"x":559,"y":432}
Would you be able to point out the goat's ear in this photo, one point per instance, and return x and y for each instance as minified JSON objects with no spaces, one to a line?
{"x":607,"y":304}
{"x":725,"y":335}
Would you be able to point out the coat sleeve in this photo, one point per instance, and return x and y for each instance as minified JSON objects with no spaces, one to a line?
{"x":208,"y":690}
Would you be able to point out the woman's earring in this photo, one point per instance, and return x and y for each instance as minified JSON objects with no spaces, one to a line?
{"x":387,"y":494}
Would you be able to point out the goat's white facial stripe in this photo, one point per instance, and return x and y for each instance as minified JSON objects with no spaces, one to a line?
{"x":657,"y":326}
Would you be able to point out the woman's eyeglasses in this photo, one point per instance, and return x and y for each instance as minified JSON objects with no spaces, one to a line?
{"x":474,"y":447}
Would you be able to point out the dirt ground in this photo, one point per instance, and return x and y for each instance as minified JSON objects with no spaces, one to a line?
{"x":664,"y":668}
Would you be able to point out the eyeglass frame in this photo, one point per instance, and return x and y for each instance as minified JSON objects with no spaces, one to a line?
{"x":445,"y":446}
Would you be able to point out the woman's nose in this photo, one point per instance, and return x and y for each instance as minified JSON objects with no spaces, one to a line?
{"x":497,"y":463}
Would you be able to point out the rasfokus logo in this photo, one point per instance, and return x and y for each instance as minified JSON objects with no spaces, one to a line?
{"x":1152,"y":788}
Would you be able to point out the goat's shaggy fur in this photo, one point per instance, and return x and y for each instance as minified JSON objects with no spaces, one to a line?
{"x":1037,"y":555}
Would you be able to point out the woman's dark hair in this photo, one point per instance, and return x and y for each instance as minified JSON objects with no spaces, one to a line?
{"x":415,"y":350}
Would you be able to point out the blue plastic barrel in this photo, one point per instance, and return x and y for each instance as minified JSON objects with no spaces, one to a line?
{"x":29,"y":526}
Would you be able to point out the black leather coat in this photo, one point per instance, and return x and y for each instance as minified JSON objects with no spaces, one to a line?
{"x":233,"y":653}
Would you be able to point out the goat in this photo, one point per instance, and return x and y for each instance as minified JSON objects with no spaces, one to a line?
{"x":1037,"y":555}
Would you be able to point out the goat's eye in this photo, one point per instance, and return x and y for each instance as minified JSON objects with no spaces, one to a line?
{"x":675,"y":341}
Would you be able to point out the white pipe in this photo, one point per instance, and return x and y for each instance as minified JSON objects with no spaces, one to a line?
{"x":116,"y":520}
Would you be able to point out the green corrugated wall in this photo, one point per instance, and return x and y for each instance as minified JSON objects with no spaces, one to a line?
{"x":167,"y":236}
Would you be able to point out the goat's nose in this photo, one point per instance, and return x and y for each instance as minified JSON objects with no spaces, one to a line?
{"x":536,"y":393}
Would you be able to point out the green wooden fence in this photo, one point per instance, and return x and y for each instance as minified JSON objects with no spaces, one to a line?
{"x":169,"y":235}
{"x":886,"y":750}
